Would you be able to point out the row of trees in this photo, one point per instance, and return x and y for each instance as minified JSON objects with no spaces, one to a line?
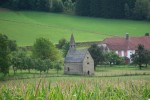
{"x":39,"y":5}
{"x":20,"y":61}
{"x":44,"y":56}
{"x":131,"y":9}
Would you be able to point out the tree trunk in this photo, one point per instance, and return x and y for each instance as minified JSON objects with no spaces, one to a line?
{"x":110,"y":63}
{"x":140,"y":66}
{"x":146,"y":65}
{"x":57,"y":72}
{"x":29,"y":70}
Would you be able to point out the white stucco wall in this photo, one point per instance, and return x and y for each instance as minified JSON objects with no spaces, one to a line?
{"x":130,"y":52}
{"x":116,"y":52}
{"x":122,"y":53}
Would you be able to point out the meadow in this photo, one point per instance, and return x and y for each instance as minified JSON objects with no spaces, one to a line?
{"x":26,"y":26}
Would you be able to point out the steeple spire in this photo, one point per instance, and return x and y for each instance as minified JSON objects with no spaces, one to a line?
{"x":72,"y":43}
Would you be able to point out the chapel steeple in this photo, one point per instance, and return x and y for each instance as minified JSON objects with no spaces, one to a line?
{"x":72,"y":43}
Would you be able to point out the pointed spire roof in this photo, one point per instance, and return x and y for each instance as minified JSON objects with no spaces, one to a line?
{"x":72,"y":41}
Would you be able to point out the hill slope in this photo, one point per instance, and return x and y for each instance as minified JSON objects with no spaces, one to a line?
{"x":25,"y":27}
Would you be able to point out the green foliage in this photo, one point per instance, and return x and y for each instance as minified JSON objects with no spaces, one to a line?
{"x":44,"y":49}
{"x":113,"y":58}
{"x":6,"y":46}
{"x":40,"y":65}
{"x":141,"y":9}
{"x":69,"y":6}
{"x":58,"y":67}
{"x":65,"y":49}
{"x":56,"y":6}
{"x":141,"y":56}
{"x":64,"y":46}
{"x":61,"y":43}
{"x":39,"y":5}
{"x":83,"y":7}
{"x":97,"y":54}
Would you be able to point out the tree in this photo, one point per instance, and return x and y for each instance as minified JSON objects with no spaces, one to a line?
{"x":95,"y":8}
{"x":48,"y":64}
{"x":141,"y":56}
{"x":58,"y":67}
{"x":146,"y":34}
{"x":18,"y":60}
{"x":148,"y":12}
{"x":56,"y":6}
{"x":140,"y":9}
{"x":69,"y":6}
{"x":64,"y":46}
{"x":40,"y":65}
{"x":61,"y":43}
{"x":6,"y":46}
{"x":113,"y":58}
{"x":82,"y":7}
{"x":65,"y":49}
{"x":97,"y":54}
{"x":127,"y":11}
{"x":44,"y":49}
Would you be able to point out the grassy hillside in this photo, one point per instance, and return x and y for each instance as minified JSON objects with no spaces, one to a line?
{"x":25,"y":27}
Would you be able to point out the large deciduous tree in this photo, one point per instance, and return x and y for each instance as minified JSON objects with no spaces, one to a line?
{"x":97,"y":54}
{"x":83,"y":7}
{"x":44,"y":49}
{"x":141,"y":56}
{"x":64,"y":46}
{"x":6,"y":46}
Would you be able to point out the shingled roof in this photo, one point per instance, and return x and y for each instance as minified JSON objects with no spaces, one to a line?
{"x":76,"y":56}
{"x":122,"y":43}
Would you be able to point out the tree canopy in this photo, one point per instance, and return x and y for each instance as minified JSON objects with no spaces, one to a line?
{"x":44,"y":49}
{"x":141,"y":56}
{"x":6,"y":46}
{"x":97,"y":54}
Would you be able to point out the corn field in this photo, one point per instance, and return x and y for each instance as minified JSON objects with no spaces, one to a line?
{"x":72,"y":89}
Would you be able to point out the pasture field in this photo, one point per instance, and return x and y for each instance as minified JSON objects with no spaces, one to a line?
{"x":26,"y":26}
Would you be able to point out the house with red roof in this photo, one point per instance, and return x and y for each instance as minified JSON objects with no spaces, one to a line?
{"x":126,"y":46}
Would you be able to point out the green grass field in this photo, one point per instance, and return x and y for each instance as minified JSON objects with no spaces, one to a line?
{"x":25,"y":27}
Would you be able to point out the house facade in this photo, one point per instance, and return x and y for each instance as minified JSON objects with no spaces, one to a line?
{"x":126,"y":46}
{"x":78,"y":61}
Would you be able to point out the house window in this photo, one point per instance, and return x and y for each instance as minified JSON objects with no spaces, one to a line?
{"x":88,"y":63}
{"x":87,"y":57}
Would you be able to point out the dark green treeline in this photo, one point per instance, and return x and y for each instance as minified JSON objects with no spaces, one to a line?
{"x":118,"y":9}
{"x":130,"y":9}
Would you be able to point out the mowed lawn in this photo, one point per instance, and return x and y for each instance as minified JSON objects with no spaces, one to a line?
{"x":26,"y":26}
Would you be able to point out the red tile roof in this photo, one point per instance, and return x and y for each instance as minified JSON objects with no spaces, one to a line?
{"x":121,"y":43}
